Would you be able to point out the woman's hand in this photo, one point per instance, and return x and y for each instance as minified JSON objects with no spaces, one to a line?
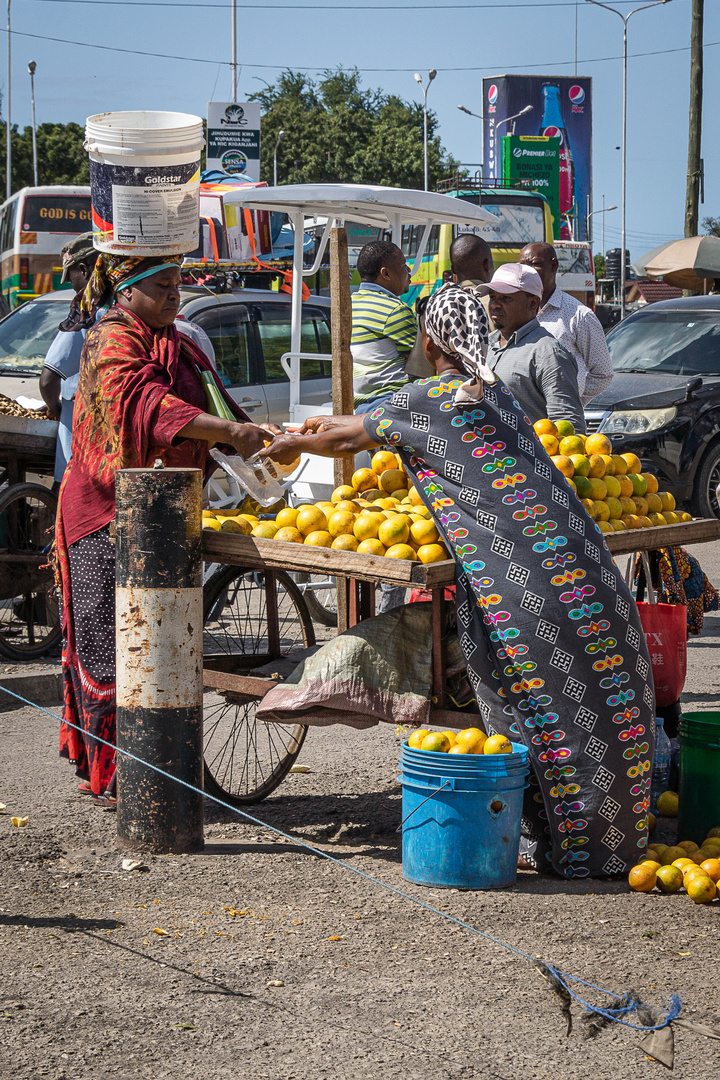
{"x":247,"y":439}
{"x":284,"y":449}
{"x":315,"y":424}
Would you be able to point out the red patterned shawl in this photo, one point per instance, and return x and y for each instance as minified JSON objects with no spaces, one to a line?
{"x":137,"y":389}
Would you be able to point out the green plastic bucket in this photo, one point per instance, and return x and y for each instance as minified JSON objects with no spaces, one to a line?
{"x":699,"y":794}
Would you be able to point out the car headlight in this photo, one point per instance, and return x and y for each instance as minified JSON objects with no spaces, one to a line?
{"x":638,"y":421}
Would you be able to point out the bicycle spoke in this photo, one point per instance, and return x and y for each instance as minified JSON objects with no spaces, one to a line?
{"x":245,"y":759}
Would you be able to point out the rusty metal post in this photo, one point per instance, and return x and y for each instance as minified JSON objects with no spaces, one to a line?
{"x":158,"y":593}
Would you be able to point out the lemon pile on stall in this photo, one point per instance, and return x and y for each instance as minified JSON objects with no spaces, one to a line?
{"x":614,"y":490}
{"x":686,"y":865}
{"x":379,"y":513}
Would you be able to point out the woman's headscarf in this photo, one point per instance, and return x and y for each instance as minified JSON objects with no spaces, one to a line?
{"x":111,"y":274}
{"x":456,"y":321}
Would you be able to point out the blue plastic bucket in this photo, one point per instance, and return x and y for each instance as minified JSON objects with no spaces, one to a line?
{"x":461,"y":817}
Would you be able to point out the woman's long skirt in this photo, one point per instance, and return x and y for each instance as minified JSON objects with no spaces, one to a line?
{"x":89,"y":661}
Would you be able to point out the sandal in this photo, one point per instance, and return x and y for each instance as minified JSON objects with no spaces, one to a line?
{"x":105,"y":800}
{"x":84,"y":788}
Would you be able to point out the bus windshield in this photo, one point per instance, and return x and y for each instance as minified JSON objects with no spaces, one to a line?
{"x":521,"y":220}
{"x":57,"y":213}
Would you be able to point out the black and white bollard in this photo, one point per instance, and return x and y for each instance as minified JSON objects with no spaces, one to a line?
{"x":158,"y":545}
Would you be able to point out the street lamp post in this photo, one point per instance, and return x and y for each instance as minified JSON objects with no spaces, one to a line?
{"x":482,"y":120}
{"x":623,"y":236}
{"x":495,"y":124}
{"x":233,"y":49}
{"x":418,"y":79}
{"x":281,"y":136}
{"x":31,"y":71}
{"x":8,"y":139}
{"x":591,"y":213}
{"x":515,"y":116}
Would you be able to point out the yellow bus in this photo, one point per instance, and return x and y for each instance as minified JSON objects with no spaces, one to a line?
{"x":524,"y":218}
{"x":35,"y":223}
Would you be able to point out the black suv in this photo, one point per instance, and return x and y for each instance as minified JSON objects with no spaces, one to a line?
{"x":664,"y":401}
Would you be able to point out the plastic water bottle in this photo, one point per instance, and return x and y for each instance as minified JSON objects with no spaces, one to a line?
{"x":661,"y":762}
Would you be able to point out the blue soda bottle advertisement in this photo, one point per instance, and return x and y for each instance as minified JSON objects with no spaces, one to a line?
{"x":559,"y":106}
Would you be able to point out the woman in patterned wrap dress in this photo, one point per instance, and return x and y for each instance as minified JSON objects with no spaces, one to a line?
{"x":554,"y":646}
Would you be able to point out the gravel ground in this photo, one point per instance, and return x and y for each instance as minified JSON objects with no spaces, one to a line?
{"x":273,"y":963}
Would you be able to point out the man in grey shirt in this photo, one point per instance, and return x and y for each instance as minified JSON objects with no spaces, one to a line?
{"x":539,"y":372}
{"x":573,"y":324}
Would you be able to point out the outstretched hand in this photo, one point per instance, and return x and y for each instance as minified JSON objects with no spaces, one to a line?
{"x":247,"y":439}
{"x":284,"y":449}
{"x":315,"y":424}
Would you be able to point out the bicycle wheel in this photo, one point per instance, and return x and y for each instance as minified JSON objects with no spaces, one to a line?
{"x":244,"y":759}
{"x":29,"y":611}
{"x":320,"y":595}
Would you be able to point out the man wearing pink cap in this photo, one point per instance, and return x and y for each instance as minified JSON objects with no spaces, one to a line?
{"x":539,"y":372}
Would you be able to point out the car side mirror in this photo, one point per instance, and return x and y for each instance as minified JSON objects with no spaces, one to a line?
{"x":691,"y":387}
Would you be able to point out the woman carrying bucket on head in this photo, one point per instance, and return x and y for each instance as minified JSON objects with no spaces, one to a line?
{"x":140,"y":397}
{"x":554,"y":647}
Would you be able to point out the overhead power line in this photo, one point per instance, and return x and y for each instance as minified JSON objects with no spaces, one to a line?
{"x":330,"y":7}
{"x":324,"y":67}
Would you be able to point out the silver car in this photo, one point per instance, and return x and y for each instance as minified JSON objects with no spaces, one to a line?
{"x":249,"y":330}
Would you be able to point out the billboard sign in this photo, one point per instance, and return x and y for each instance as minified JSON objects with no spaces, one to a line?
{"x":536,"y":160}
{"x":233,"y":138}
{"x":560,"y":107}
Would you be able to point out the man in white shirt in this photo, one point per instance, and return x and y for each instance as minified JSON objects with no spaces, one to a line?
{"x":573,"y":324}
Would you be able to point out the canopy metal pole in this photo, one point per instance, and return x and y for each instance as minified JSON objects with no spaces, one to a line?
{"x":297,"y":220}
{"x":396,"y":228}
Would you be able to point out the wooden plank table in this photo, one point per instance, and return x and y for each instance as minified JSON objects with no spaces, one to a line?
{"x":360,"y":573}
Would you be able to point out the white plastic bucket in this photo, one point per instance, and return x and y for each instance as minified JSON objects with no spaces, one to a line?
{"x":145,"y":181}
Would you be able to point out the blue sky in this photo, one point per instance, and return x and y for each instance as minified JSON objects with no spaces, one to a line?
{"x":388,"y":42}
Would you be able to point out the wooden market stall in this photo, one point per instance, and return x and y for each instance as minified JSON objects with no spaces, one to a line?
{"x":244,"y":760}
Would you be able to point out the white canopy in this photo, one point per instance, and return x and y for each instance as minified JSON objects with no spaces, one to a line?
{"x":367,"y":204}
{"x":364,"y":203}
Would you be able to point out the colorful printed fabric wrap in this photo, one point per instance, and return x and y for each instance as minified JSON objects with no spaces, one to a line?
{"x":109,"y":275}
{"x":555,"y":650}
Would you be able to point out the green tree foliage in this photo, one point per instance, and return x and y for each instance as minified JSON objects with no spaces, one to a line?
{"x":599,"y":261}
{"x":711,"y":225}
{"x":337,"y":131}
{"x":61,"y":158}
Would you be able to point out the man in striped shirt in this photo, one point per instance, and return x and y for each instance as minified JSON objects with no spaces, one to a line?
{"x":383,"y":327}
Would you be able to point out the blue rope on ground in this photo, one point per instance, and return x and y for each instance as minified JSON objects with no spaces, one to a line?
{"x":561,"y":976}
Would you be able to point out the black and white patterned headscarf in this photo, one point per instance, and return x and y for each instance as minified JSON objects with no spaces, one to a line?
{"x":456,"y":321}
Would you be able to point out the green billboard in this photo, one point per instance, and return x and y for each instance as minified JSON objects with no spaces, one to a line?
{"x":535,"y":159}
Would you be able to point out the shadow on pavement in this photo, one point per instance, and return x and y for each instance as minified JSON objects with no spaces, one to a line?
{"x":59,"y":922}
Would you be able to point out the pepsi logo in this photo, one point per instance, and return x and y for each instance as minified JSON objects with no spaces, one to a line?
{"x":553,"y":132}
{"x":493,"y":94}
{"x":576,"y":95}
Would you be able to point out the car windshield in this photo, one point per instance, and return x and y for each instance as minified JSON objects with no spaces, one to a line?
{"x":668,"y":343}
{"x":27,"y":334}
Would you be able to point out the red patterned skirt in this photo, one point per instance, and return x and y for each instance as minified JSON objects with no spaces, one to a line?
{"x":89,"y":661}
